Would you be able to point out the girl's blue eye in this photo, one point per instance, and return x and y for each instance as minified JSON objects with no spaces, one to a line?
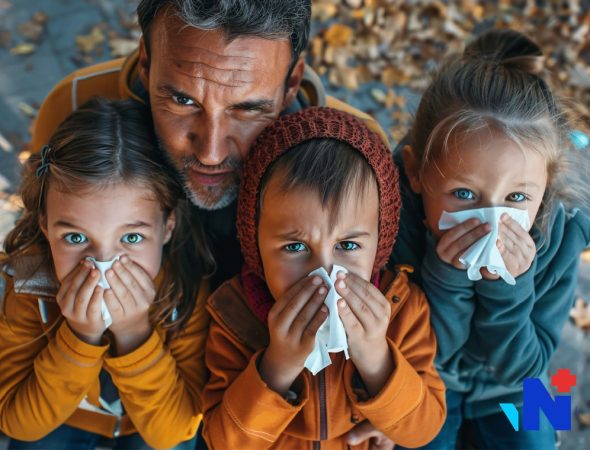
{"x":347,"y":245}
{"x":516,"y":197}
{"x":132,"y":238}
{"x":75,"y":238}
{"x":295,"y":247}
{"x":464,"y":194}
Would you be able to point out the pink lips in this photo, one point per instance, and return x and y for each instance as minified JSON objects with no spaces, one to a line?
{"x":207,"y":179}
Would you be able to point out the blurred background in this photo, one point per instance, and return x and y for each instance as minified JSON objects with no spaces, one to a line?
{"x":375,"y":54}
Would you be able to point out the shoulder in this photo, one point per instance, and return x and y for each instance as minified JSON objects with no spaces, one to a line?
{"x":230,"y":311}
{"x":405,"y":296}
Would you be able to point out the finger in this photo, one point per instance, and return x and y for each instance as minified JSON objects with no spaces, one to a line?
{"x":85,"y":293}
{"x":381,"y":443}
{"x":124,"y":285}
{"x":67,"y":298}
{"x":457,"y":232}
{"x":293,"y":306}
{"x":366,"y":291}
{"x":314,"y":325}
{"x":93,"y":312}
{"x":352,"y":323}
{"x":140,"y":275}
{"x":116,"y":307}
{"x":453,"y":243}
{"x":307,"y":312}
{"x":361,"y":432}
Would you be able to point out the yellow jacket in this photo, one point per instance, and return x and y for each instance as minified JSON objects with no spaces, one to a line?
{"x":241,"y":412}
{"x":119,"y":79}
{"x":46,"y":371}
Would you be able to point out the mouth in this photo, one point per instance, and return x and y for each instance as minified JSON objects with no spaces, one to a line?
{"x":213,"y":178}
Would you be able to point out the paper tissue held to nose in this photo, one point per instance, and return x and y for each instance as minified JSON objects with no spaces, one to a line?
{"x":485,"y":253}
{"x":102,"y":267}
{"x":331,"y":336}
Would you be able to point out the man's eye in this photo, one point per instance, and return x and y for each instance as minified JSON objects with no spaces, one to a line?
{"x":181,"y":100}
{"x":295,"y":247}
{"x":347,"y":246}
{"x":132,"y":238}
{"x":75,"y":238}
{"x":463,"y":194}
{"x":516,"y":197}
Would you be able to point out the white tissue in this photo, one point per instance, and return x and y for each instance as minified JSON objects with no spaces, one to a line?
{"x":331,"y":336}
{"x":485,"y":253}
{"x":102,"y":267}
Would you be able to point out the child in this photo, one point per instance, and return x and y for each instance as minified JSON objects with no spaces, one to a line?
{"x":101,"y":189}
{"x":319,"y":189}
{"x":489,"y":133}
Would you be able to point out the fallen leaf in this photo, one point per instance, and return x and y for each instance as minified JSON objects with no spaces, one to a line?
{"x":5,"y":39}
{"x":27,"y":109}
{"x":23,"y":49}
{"x":5,"y":144}
{"x":122,"y":46}
{"x":338,"y":35}
{"x":89,"y":42}
{"x":31,"y":30}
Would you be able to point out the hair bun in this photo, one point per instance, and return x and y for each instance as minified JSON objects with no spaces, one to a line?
{"x":509,"y":48}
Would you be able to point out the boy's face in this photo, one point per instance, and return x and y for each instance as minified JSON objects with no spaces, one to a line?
{"x":106,"y":223}
{"x":296,"y":235}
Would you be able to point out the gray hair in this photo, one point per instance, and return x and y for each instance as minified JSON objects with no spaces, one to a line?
{"x":267,"y":19}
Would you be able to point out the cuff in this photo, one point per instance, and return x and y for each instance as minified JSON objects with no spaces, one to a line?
{"x":143,"y":356}
{"x":76,"y":350}
{"x":498,"y":290}
{"x":436,"y":268}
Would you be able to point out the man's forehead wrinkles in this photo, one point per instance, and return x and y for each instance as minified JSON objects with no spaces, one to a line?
{"x":228,"y":78}
{"x":229,"y":62}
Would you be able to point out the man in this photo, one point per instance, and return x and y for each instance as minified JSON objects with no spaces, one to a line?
{"x":214,"y":75}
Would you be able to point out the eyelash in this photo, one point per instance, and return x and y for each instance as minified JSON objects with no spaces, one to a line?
{"x":339,"y":246}
{"x":66,"y":237}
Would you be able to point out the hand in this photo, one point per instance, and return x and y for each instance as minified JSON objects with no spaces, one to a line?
{"x":516,"y":246}
{"x":365,"y":313}
{"x":129,"y":299}
{"x":293,"y":322}
{"x":455,"y":241}
{"x":365,"y":430}
{"x":79,"y":298}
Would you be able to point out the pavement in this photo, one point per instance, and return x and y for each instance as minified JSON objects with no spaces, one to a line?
{"x":26,"y":79}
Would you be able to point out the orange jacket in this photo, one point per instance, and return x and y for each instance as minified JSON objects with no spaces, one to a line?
{"x":240,"y":411}
{"x":47,"y":371}
{"x":119,"y":79}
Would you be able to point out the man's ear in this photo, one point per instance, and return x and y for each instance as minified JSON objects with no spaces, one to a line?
{"x":169,"y":226}
{"x":143,"y":67}
{"x":412,"y":168}
{"x":294,"y":82}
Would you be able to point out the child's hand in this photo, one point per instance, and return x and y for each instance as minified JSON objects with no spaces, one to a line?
{"x":129,"y":299}
{"x":79,"y":298}
{"x":365,"y":313}
{"x":455,"y":241}
{"x":293,"y":322}
{"x":516,"y":246}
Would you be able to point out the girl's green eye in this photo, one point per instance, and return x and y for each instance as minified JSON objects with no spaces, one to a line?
{"x":295,"y":247}
{"x":347,"y":245}
{"x":132,"y":238}
{"x":516,"y":197}
{"x":75,"y":238}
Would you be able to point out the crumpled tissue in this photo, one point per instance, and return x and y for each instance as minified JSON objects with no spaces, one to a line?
{"x":331,"y":336}
{"x":485,"y":253}
{"x":102,"y":267}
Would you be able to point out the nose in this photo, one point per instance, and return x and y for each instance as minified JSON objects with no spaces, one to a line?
{"x":103,"y":253}
{"x":211,"y":146}
{"x":323,"y":259}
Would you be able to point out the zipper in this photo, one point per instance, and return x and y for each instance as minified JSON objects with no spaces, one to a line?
{"x":321,"y":377}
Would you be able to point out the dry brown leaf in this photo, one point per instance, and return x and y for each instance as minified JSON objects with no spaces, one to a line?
{"x":40,"y":17}
{"x":31,"y":30}
{"x":122,"y":46}
{"x":5,"y":39}
{"x":87,"y":43}
{"x":24,"y":48}
{"x":338,"y":35}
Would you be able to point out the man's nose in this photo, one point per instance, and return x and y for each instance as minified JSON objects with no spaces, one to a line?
{"x":211,"y":144}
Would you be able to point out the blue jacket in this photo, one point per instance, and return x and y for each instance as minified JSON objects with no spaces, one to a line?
{"x":491,"y":335}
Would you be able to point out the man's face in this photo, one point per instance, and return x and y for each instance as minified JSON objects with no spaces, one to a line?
{"x":211,"y":98}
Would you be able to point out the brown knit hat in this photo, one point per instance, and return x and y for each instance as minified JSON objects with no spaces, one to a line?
{"x":293,"y":129}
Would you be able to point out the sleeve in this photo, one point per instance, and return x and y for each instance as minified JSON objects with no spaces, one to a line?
{"x":160,"y":385}
{"x":411,"y":408}
{"x":230,"y":419}
{"x":517,"y":328}
{"x":452,"y":305}
{"x":43,"y":378}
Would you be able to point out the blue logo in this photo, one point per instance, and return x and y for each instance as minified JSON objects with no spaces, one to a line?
{"x":536,"y":398}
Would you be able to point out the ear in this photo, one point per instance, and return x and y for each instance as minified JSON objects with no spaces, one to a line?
{"x":143,"y":67}
{"x":294,"y":82}
{"x":412,"y":168}
{"x":169,"y":226}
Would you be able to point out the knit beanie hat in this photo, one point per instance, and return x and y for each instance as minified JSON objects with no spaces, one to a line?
{"x":293,"y":129}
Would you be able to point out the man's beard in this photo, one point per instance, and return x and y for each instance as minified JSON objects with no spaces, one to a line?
{"x":206,"y":197}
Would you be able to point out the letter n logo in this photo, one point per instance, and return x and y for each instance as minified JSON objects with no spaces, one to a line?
{"x":536,"y":399}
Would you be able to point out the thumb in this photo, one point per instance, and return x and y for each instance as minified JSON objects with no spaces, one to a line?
{"x":361,"y":432}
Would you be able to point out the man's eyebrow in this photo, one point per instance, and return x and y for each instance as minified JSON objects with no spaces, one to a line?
{"x":171,"y":90}
{"x":249,"y":105}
